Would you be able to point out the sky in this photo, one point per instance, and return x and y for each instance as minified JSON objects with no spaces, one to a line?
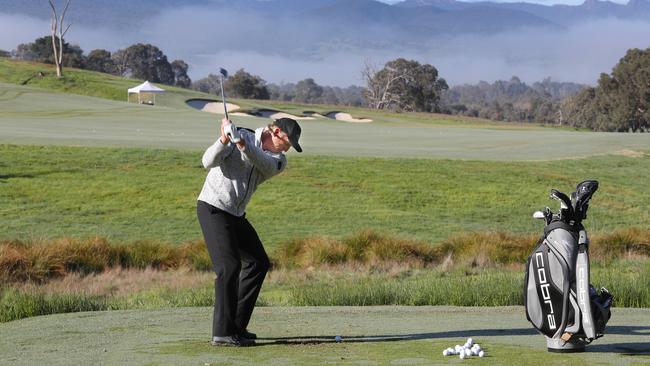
{"x":542,"y":2}
{"x":279,"y":54}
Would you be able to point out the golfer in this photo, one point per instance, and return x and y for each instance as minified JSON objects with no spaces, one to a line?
{"x":237,"y":254}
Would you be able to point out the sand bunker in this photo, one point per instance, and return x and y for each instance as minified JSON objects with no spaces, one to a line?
{"x":211,"y":106}
{"x":277,"y":115}
{"x":347,"y":117}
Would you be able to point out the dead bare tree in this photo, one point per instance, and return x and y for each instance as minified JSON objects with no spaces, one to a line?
{"x":378,"y":92}
{"x":57,"y":25}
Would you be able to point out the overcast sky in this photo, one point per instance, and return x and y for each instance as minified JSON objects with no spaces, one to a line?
{"x":259,"y":45}
{"x":542,"y":2}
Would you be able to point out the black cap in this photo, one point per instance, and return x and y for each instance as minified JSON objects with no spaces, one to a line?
{"x":292,"y":129}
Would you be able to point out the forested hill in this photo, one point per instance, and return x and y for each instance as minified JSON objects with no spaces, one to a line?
{"x":511,"y":100}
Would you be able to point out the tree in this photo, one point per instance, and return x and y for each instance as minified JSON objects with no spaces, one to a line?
{"x":24,"y":52}
{"x":350,"y":96}
{"x":120,"y":63}
{"x":179,"y":68}
{"x":58,"y":33}
{"x":284,"y":92}
{"x":41,"y":50}
{"x":307,"y":91}
{"x":210,"y":84}
{"x":244,"y":85}
{"x":100,"y":60}
{"x":620,"y":102}
{"x":379,"y":88}
{"x":329,"y":95}
{"x":144,"y":61}
{"x":4,"y":53}
{"x":404,"y":85}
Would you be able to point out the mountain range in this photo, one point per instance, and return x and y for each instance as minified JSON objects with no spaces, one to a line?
{"x":332,"y":40}
{"x":416,"y":18}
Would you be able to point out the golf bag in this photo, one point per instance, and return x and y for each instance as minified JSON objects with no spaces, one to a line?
{"x":560,"y":302}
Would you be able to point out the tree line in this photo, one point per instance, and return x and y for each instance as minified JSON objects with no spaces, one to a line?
{"x":139,"y":61}
{"x":248,"y":86}
{"x":620,"y":102}
{"x":510,"y":101}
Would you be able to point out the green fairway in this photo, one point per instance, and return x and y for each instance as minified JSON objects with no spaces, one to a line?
{"x":38,"y":116}
{"x":147,"y":194}
{"x":305,"y":336}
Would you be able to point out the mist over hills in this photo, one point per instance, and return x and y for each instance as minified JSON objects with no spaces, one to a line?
{"x":330,"y":40}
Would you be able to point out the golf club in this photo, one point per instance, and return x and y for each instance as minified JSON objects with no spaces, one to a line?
{"x":230,"y":130}
{"x":223,"y":75}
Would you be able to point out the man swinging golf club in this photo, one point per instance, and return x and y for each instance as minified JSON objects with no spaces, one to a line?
{"x":238,"y":162}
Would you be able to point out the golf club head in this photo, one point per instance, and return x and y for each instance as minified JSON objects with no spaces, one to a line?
{"x":223,"y":73}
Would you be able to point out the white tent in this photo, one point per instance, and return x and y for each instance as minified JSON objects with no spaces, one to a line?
{"x":145,"y":88}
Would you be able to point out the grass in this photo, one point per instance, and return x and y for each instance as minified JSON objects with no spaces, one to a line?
{"x":41,"y":261}
{"x":129,"y":195}
{"x":84,"y":82}
{"x":462,"y":287}
{"x":305,"y":336}
{"x":365,"y":269}
{"x":459,"y":285}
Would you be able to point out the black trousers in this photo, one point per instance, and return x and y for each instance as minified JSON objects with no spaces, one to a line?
{"x":240,"y":263}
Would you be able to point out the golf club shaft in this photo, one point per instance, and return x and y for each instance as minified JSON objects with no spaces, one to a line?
{"x":223,"y":99}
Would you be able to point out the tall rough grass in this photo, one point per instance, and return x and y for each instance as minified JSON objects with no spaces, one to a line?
{"x":628,"y":280}
{"x":41,"y":261}
{"x":491,"y":287}
{"x":480,"y":249}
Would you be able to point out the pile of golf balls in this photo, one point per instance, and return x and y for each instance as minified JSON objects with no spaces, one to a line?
{"x":467,"y":350}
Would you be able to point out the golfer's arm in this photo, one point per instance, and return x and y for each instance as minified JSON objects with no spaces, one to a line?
{"x":215,"y":154}
{"x":268,"y":165}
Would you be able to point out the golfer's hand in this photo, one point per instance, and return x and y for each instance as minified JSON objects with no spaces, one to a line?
{"x":224,"y":139}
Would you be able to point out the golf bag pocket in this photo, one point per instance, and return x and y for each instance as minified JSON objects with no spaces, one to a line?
{"x":546,"y":292}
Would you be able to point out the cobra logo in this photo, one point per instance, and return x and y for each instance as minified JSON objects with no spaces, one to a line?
{"x":544,"y":287}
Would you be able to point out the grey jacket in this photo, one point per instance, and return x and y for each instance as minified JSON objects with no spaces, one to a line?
{"x":235,"y":174}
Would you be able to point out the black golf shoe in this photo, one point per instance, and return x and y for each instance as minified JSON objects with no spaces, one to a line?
{"x":246,"y":334}
{"x":232,"y":341}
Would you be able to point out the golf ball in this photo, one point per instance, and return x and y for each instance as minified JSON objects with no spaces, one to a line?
{"x":481,"y":354}
{"x":445,"y":352}
{"x":462,"y":355}
{"x":338,"y":338}
{"x":470,"y":341}
{"x":468,"y":353}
